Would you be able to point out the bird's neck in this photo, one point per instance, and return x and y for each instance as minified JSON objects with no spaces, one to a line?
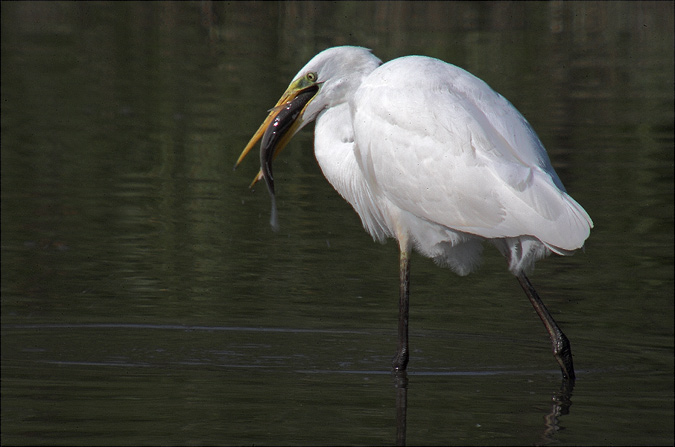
{"x":334,"y":150}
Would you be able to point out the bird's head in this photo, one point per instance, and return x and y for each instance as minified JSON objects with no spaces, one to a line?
{"x":329,"y":79}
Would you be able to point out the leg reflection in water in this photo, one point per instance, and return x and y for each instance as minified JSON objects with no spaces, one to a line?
{"x":562,"y":401}
{"x":560,"y":407}
{"x":401,"y":385}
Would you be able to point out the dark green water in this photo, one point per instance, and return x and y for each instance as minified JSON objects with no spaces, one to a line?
{"x":145,"y":299}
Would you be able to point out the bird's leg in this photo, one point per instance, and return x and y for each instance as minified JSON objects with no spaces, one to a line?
{"x":561,"y":345}
{"x":401,"y":360}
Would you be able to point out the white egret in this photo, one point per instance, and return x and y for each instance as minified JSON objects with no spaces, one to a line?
{"x":430,"y":155}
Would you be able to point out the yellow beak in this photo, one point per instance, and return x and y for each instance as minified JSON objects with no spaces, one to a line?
{"x":282,"y":122}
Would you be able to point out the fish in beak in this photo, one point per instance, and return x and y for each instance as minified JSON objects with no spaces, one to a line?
{"x":282,"y":122}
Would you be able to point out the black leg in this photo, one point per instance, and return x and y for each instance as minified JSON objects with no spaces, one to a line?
{"x":561,"y":345}
{"x":401,"y":360}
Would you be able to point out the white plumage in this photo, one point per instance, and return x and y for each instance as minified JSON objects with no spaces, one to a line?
{"x":429,"y":149}
{"x":429,"y":154}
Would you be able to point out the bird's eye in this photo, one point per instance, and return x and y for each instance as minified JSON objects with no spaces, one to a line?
{"x":312,"y":76}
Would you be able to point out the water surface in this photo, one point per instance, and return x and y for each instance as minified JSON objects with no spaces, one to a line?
{"x":145,"y":299}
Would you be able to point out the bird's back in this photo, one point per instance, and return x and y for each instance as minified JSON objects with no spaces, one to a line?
{"x":456,"y":158}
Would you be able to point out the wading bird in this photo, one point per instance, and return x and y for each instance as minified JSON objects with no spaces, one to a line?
{"x":430,"y":155}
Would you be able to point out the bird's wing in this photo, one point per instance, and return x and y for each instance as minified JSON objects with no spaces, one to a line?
{"x":439,"y":143}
